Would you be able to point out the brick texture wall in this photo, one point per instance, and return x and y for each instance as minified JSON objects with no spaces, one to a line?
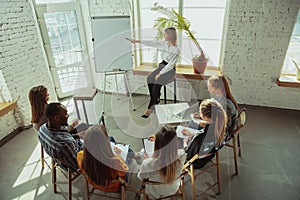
{"x":22,"y":61}
{"x":258,"y":34}
{"x":109,"y":8}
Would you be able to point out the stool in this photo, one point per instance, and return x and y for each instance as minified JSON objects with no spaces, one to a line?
{"x":84,"y":95}
{"x":165,"y":90}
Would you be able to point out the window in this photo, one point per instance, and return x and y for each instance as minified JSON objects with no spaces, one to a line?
{"x":289,"y":69}
{"x":64,"y":41}
{"x":197,"y":12}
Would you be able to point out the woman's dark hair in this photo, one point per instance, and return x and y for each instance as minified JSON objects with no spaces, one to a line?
{"x":98,"y":156}
{"x":166,"y":151}
{"x":37,"y":97}
{"x":171,"y":32}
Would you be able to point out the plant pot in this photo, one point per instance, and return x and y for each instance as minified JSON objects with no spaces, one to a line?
{"x":199,"y":66}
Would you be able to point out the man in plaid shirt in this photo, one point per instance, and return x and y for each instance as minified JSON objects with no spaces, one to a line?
{"x":55,"y":138}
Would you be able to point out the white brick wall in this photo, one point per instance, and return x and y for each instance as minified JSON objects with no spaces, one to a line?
{"x":257,"y":38}
{"x":109,"y":8}
{"x":22,"y":62}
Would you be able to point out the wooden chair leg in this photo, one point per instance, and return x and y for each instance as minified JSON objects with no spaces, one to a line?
{"x":54,"y":176}
{"x":182,"y":188}
{"x":87,"y":190}
{"x":239,"y":144}
{"x":193,"y":182}
{"x":234,"y":155}
{"x":42,"y":157}
{"x":175,"y":91}
{"x":218,"y":172}
{"x":165,"y":94}
{"x":123,"y":192}
{"x":70,"y":183}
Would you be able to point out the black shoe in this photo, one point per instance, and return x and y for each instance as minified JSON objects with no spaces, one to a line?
{"x":145,"y":116}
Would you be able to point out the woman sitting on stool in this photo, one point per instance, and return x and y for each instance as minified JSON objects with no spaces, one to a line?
{"x":166,"y":69}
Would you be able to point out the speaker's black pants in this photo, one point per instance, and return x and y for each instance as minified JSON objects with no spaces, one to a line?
{"x":154,"y":86}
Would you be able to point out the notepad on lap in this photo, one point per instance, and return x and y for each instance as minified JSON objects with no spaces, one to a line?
{"x":148,"y":146}
{"x":124,"y":149}
{"x":180,"y":128}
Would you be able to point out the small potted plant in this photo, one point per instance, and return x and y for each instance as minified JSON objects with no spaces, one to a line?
{"x":177,"y":21}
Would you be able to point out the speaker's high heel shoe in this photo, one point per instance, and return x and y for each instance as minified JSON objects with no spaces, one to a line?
{"x":147,"y":113}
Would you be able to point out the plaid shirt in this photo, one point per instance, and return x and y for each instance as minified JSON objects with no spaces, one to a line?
{"x":60,"y":145}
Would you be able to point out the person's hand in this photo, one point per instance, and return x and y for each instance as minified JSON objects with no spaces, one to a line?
{"x":81,"y":134}
{"x":117,"y":151}
{"x":186,"y":132}
{"x":196,"y":115}
{"x":157,"y":76}
{"x":152,"y":138}
{"x":73,"y":125}
{"x":146,"y":156}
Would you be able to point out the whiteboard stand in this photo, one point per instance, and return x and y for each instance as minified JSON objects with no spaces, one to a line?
{"x":115,"y":72}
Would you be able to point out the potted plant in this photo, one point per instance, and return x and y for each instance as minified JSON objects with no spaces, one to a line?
{"x":177,"y":21}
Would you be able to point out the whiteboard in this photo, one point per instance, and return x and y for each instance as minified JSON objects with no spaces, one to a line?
{"x":111,"y":50}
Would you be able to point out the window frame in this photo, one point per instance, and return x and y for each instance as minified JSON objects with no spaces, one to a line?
{"x":137,"y":34}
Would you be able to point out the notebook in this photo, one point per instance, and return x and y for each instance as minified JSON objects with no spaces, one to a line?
{"x":148,"y":146}
{"x":186,"y":114}
{"x":124,"y":149}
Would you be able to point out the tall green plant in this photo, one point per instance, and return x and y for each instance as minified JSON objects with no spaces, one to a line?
{"x":174,"y":19}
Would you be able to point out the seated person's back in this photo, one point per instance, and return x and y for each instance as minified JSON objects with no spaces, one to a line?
{"x":164,"y":166}
{"x":211,"y":135}
{"x":98,"y":162}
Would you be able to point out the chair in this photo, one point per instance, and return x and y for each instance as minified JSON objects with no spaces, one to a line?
{"x":123,"y":184}
{"x":180,"y":192}
{"x":235,"y":135}
{"x":42,"y":153}
{"x":188,"y":168}
{"x":165,"y":90}
{"x":69,"y":174}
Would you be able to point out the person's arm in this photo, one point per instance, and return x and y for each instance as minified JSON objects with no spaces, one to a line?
{"x":171,"y":62}
{"x":142,"y":174}
{"x":120,"y":166}
{"x":70,"y":155}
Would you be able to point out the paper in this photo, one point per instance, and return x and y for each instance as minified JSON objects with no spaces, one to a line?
{"x":180,"y":128}
{"x":148,"y":146}
{"x":197,"y":120}
{"x":124,"y":149}
{"x":81,"y":126}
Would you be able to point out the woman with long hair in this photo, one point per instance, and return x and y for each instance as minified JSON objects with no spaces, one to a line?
{"x":165,"y":164}
{"x":98,"y":162}
{"x":166,"y":69}
{"x":212,"y":134}
{"x":38,"y":97}
{"x":219,"y":89}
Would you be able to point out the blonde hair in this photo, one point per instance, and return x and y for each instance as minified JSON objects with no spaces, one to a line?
{"x":166,"y":151}
{"x":213,"y":110}
{"x":221,"y":82}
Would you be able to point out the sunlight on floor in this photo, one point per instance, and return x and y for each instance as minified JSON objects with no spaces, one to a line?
{"x":33,"y":167}
{"x":32,"y":194}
